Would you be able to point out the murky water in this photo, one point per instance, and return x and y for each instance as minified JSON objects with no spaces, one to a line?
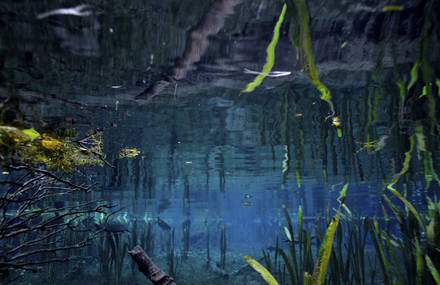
{"x":214,"y":165}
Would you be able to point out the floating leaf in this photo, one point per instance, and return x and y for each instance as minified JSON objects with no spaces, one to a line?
{"x":392,"y":8}
{"x":262,"y":270}
{"x":270,"y":55}
{"x":31,"y":133}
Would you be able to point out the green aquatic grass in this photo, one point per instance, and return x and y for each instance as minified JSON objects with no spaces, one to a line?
{"x":414,"y":75}
{"x":405,"y":167}
{"x":270,"y":60}
{"x":402,"y":172}
{"x":267,"y":276}
{"x":420,"y":266}
{"x":300,"y":37}
{"x":433,"y":270}
{"x":320,"y":271}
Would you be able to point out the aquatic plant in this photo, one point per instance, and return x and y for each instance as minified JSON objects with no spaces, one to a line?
{"x":172,"y":260}
{"x":298,"y":272}
{"x":222,"y":248}
{"x":301,"y":39}
{"x":260,"y":269}
{"x":270,"y":60}
{"x":32,"y":148}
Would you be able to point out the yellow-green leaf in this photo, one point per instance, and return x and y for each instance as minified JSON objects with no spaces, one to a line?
{"x":343,"y":194}
{"x":262,"y":270}
{"x":31,"y":133}
{"x":409,"y":206}
{"x":414,"y":74}
{"x":321,"y":265}
{"x":129,"y":153}
{"x":405,"y":167}
{"x":392,"y":8}
{"x":270,"y":60}
{"x":302,"y":17}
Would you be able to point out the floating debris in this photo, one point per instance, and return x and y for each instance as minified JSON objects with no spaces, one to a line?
{"x":392,"y":8}
{"x":336,"y":122}
{"x":79,"y":11}
{"x":129,"y":153}
{"x":269,"y":74}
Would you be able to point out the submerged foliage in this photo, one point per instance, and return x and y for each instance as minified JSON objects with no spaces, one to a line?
{"x":270,"y":60}
{"x":30,"y":147}
{"x":301,"y":39}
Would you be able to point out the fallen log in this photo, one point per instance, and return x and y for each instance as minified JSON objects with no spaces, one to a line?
{"x":149,"y":269}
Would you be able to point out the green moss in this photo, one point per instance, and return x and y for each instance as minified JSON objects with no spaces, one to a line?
{"x":29,"y":147}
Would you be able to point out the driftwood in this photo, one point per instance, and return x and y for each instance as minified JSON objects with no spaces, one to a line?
{"x":196,"y":45}
{"x":149,"y":269}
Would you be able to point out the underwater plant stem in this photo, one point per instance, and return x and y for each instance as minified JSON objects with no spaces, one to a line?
{"x":149,"y":268}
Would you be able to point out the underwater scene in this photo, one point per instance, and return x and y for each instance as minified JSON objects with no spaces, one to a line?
{"x":220,"y":142}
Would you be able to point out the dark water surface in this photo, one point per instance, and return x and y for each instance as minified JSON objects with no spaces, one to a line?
{"x":166,"y":78}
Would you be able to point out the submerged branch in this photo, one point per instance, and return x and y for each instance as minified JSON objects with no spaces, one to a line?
{"x":149,"y":269}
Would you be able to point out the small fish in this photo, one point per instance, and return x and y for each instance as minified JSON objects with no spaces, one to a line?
{"x":163,"y":225}
{"x":247,"y":204}
{"x":344,"y":44}
{"x":298,"y":115}
{"x":247,"y":196}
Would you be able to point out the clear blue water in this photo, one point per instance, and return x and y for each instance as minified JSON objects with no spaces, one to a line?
{"x":212,"y":158}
